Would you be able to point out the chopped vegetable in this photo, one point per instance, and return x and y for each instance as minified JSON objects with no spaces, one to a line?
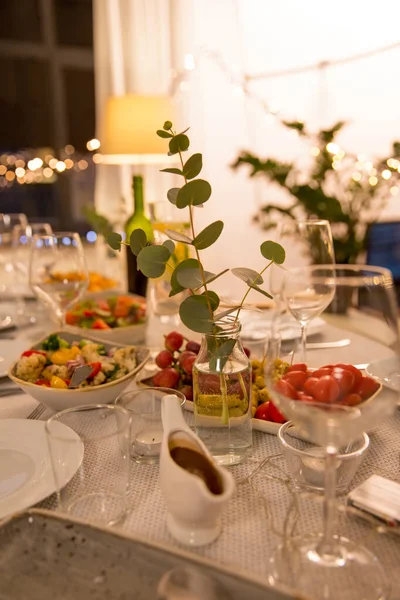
{"x":30,"y":352}
{"x":114,"y":311}
{"x":96,"y":369}
{"x":54,"y":342}
{"x":43,"y":382}
{"x":100,"y":324}
{"x":58,"y":383}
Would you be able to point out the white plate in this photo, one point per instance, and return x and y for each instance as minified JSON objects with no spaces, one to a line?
{"x":25,"y":469}
{"x":10,"y":351}
{"x":256,"y":325}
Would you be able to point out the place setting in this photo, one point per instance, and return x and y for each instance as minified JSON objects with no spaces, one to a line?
{"x":199,"y":304}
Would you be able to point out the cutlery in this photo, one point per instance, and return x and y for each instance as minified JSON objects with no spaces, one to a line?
{"x":79,"y":375}
{"x":323,"y":345}
{"x":37,"y":412}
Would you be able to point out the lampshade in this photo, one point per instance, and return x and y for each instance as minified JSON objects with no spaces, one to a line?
{"x":129,"y":129}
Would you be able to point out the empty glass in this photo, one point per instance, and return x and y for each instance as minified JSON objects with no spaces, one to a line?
{"x":57,"y":271}
{"x":96,"y":439}
{"x":10,"y":309}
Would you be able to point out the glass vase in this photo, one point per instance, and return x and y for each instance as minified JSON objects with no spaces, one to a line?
{"x":222,"y":394}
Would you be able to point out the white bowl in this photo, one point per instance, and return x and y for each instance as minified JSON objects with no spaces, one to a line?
{"x":99,"y":394}
{"x":131,"y":334}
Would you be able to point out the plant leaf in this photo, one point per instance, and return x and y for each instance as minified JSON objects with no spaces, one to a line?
{"x":114,"y":240}
{"x":247,"y":275}
{"x":195,"y":315}
{"x":193,"y":193}
{"x":263,"y":292}
{"x":151,"y":260}
{"x":170,"y":245}
{"x":191,"y":277}
{"x":177,"y":236}
{"x":172,"y":170}
{"x":172,"y":194}
{"x":208,"y":236}
{"x":137,"y":241}
{"x":221,"y":356}
{"x":185,"y":264}
{"x":214,"y":277}
{"x":164,"y":134}
{"x":273,"y":251}
{"x":167,"y":125}
{"x":213,"y":299}
{"x":193,"y":166}
{"x":179,"y":143}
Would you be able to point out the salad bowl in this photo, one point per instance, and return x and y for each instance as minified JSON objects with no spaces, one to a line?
{"x":61,"y":398}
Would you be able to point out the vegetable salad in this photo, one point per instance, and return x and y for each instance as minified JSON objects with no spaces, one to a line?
{"x":53,"y":365}
{"x":114,"y":311}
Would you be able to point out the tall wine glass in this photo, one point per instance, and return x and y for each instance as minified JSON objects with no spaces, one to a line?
{"x":308,"y":242}
{"x":8,"y":284}
{"x":326,"y":565}
{"x":57,"y":273}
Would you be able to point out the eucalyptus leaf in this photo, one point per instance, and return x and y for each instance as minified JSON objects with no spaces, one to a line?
{"x":247,"y":275}
{"x":177,"y":236}
{"x":189,"y":263}
{"x":172,"y":194}
{"x":193,"y":193}
{"x":137,"y":241}
{"x":208,"y":236}
{"x":263,"y":292}
{"x":164,"y":134}
{"x":213,"y":299}
{"x":273,"y":251}
{"x":221,"y":356}
{"x":214,"y":277}
{"x":191,"y":277}
{"x":179,"y":143}
{"x":172,"y":170}
{"x":151,"y":260}
{"x":193,"y":166}
{"x":170,"y":245}
{"x":167,"y":125}
{"x":114,"y":240}
{"x":195,"y":315}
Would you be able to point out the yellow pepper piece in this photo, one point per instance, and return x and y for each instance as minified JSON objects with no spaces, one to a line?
{"x":58,"y":383}
{"x":61,"y":357}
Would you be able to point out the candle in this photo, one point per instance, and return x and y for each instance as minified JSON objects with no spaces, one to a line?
{"x":148,"y":441}
{"x":313,"y":469}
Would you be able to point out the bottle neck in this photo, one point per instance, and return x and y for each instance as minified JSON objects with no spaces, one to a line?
{"x":138,"y":194}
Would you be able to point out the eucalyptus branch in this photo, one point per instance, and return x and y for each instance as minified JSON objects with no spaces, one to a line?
{"x":250,"y":287}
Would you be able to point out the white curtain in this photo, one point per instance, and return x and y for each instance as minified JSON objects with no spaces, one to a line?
{"x":148,"y":45}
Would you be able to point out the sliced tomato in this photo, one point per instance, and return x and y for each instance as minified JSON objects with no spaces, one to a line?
{"x":88,"y":313}
{"x":103,"y":305}
{"x":356,"y":373}
{"x":262,"y":412}
{"x":30,"y":352}
{"x":367,"y":387}
{"x":345,"y":379}
{"x":96,"y":366}
{"x":43,"y":382}
{"x":296,"y":379}
{"x":326,"y":389}
{"x":274,"y":414}
{"x":100,"y":324}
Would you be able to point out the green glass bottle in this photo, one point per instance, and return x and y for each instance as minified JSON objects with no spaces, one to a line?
{"x":137,"y":282}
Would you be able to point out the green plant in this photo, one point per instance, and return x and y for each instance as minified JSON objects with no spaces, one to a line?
{"x":349,"y":192}
{"x":199,"y":310}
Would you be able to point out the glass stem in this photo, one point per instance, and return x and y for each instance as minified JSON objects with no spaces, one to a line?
{"x":327,"y":544}
{"x":303,"y":330}
{"x":60,"y":314}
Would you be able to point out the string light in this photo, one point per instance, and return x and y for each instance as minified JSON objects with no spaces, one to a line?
{"x":356,"y":176}
{"x":93,"y":144}
{"x":315,"y":151}
{"x":20,"y":172}
{"x":69,"y":149}
{"x":332,"y":148}
{"x":373,"y":180}
{"x":386,"y":174}
{"x":394,"y":189}
{"x":47,"y":172}
{"x":60,"y":166}
{"x":393,"y":163}
{"x":69,"y":163}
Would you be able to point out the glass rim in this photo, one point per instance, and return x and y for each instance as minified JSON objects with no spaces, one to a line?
{"x":84,"y":408}
{"x":354,"y":454}
{"x":230,"y":325}
{"x":177,"y":393}
{"x":373,"y":275}
{"x":57,"y":234}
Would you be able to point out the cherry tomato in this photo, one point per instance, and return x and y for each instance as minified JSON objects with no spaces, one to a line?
{"x":96,"y":366}
{"x":366,"y":388}
{"x":326,"y":389}
{"x":322,"y":372}
{"x":42,"y":382}
{"x":297,"y":367}
{"x":356,"y":372}
{"x":262,"y":412}
{"x":30,"y":352}
{"x":296,"y":379}
{"x":286,"y":389}
{"x":309,"y":385}
{"x":100,"y":324}
{"x":345,"y":380}
{"x":351,"y":399}
{"x":71,"y":319}
{"x":274,"y":414}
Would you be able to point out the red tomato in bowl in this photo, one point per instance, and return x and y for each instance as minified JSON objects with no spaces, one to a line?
{"x":309,"y":385}
{"x":295,"y":378}
{"x":297,"y":367}
{"x":345,"y":379}
{"x":275,"y":415}
{"x":366,"y":387}
{"x":351,"y":399}
{"x":322,"y":372}
{"x":326,"y":389}
{"x":285,"y":389}
{"x":356,"y":372}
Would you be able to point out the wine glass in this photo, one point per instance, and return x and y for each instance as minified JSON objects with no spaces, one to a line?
{"x":57,"y":271}
{"x":310,"y":242}
{"x":326,"y":565}
{"x":8,"y":284}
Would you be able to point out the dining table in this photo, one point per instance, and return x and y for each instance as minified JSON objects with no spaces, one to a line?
{"x":256,"y":519}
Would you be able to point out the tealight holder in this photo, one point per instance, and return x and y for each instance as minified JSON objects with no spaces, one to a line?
{"x":306,"y":461}
{"x":146,"y":425}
